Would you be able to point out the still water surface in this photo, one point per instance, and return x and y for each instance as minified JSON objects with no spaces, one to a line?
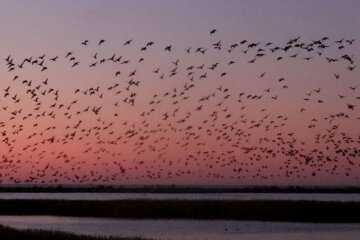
{"x":188,"y":229}
{"x":185,"y":196}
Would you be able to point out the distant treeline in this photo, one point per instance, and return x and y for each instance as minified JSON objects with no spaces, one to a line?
{"x":300,"y":211}
{"x":7,"y":233}
{"x":178,"y":189}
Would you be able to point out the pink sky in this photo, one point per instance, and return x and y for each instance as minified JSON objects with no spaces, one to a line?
{"x":242,"y":128}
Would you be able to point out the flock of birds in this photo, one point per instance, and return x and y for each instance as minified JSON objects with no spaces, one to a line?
{"x":222,"y":112}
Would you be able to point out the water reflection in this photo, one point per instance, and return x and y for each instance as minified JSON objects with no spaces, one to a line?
{"x":187,"y":229}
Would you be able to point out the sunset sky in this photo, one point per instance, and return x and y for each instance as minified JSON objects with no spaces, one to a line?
{"x":271,"y":96}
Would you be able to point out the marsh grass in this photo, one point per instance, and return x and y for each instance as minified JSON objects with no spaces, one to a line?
{"x":7,"y":233}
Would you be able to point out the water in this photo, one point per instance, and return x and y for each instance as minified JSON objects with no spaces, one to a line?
{"x":187,"y":229}
{"x":186,"y":196}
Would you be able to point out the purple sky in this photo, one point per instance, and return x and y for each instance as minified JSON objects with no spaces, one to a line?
{"x":37,"y":27}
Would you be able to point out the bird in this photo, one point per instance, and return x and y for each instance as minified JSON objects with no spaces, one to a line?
{"x":127,"y":42}
{"x":101,"y":42}
{"x":94,"y":116}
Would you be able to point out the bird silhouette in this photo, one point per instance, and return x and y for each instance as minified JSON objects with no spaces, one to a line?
{"x":216,"y":110}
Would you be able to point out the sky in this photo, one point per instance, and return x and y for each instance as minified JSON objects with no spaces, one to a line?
{"x":131,"y":106}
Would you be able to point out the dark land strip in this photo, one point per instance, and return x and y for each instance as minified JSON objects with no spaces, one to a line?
{"x":257,"y":210}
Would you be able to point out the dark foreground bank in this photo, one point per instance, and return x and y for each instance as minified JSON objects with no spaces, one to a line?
{"x":291,"y":211}
{"x":7,"y":233}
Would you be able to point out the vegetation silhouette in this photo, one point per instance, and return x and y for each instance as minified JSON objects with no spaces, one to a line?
{"x":258,"y":210}
{"x":10,"y":233}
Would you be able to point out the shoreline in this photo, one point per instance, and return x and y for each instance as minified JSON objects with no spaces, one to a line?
{"x":258,"y":210}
